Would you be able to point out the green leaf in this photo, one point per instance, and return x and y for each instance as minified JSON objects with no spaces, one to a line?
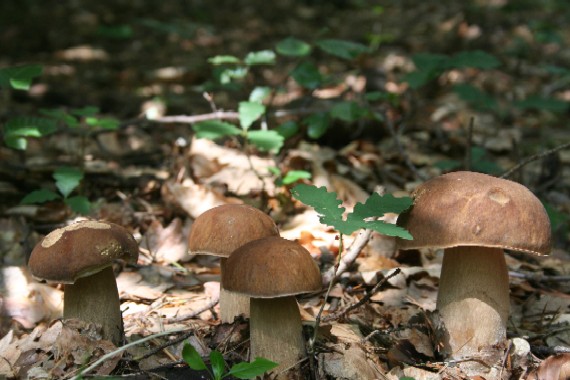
{"x":108,"y":123}
{"x":475,"y":97}
{"x":61,"y":115}
{"x":86,"y":111}
{"x":293,"y":47}
{"x":192,"y":358}
{"x":18,"y":128}
{"x":118,"y":32}
{"x":266,"y":140}
{"x":293,"y":176}
{"x":417,"y":79}
{"x":317,"y":124}
{"x":325,"y":203}
{"x":214,"y":129}
{"x":477,"y":59}
{"x":79,"y":204}
{"x":223,"y":59}
{"x":250,"y":370}
{"x":288,"y":129}
{"x":15,"y":142}
{"x":218,"y":364}
{"x":543,"y":104}
{"x":67,"y":179}
{"x":376,"y":206}
{"x":259,"y":94}
{"x":225,"y":76}
{"x":40,"y":196}
{"x":20,"y":77}
{"x":264,"y":57}
{"x":429,"y":61}
{"x":342,"y":49}
{"x":558,"y":219}
{"x":307,"y":75}
{"x":249,"y":112}
{"x":349,"y":111}
{"x":479,"y":163}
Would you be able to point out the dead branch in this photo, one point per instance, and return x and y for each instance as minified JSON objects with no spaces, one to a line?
{"x":193,"y":314}
{"x":532,"y":158}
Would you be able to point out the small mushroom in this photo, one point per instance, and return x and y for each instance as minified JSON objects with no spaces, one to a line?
{"x":272,"y":271}
{"x":81,"y":256}
{"x":475,"y":216}
{"x":220,"y":231}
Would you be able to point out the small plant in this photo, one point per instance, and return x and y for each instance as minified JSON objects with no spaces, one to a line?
{"x":67,"y":179}
{"x":219,"y":366}
{"x":331,"y":213}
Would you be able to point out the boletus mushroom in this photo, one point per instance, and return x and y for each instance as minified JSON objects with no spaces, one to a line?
{"x":474,"y":217}
{"x":220,"y":231}
{"x":271,"y":271}
{"x":81,"y":256}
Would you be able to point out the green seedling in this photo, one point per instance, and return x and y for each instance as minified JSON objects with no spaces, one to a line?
{"x":67,"y":179}
{"x":218,"y":365}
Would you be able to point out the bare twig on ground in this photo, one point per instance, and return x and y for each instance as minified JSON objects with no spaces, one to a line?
{"x":532,"y":158}
{"x":193,"y":314}
{"x":119,"y":350}
{"x":364,"y":299}
{"x":540,"y":277}
{"x":400,"y":148}
{"x":191,"y":119}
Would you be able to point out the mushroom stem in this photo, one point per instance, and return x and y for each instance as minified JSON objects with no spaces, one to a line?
{"x":276,"y":331}
{"x":473,"y":299}
{"x":95,"y":299}
{"x":231,"y":304}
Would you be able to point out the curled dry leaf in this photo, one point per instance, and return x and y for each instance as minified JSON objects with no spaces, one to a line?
{"x":556,"y":367}
{"x":167,"y":244}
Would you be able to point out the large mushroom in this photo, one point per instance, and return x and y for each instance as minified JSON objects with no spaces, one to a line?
{"x":220,"y":231}
{"x":81,"y":256}
{"x":474,"y":217}
{"x":271,"y":271}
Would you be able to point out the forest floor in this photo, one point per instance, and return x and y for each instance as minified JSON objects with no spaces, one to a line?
{"x":140,"y":63}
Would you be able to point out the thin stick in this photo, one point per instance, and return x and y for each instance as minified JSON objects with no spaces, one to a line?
{"x":186,"y":119}
{"x":348,"y":257}
{"x":532,"y":158}
{"x":400,"y":148}
{"x":193,"y":314}
{"x":364,"y":299}
{"x":108,"y":356}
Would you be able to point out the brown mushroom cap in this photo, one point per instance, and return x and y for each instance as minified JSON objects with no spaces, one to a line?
{"x":271,"y":267}
{"x":81,"y":249}
{"x":473,"y":209}
{"x":221,"y":230}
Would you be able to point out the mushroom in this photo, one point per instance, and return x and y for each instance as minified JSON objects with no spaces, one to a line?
{"x":475,"y":216}
{"x":81,"y":256}
{"x":272,"y":271}
{"x":220,"y":231}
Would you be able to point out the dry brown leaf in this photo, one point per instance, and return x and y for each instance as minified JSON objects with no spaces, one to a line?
{"x":556,"y":367}
{"x":167,"y":244}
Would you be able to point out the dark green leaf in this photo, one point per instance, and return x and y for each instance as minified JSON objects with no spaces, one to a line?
{"x":20,"y":77}
{"x":342,"y":49}
{"x":429,"y":61}
{"x":417,"y":79}
{"x":293,"y":47}
{"x":27,"y":126}
{"x":477,"y":59}
{"x":192,"y":358}
{"x":475,"y":97}
{"x":249,"y":112}
{"x":85,"y":111}
{"x":266,"y":140}
{"x":218,"y":364}
{"x":40,"y":196}
{"x":250,"y":370}
{"x":558,"y":219}
{"x":79,"y":204}
{"x":325,"y":203}
{"x":543,"y":104}
{"x":115,"y":31}
{"x":447,"y":165}
{"x":61,"y":115}
{"x":479,"y":162}
{"x":103,"y":122}
{"x":349,"y":111}
{"x":214,"y":129}
{"x":307,"y":75}
{"x":317,"y":124}
{"x":15,"y":142}
{"x":264,"y":57}
{"x":288,"y":129}
{"x":67,"y":179}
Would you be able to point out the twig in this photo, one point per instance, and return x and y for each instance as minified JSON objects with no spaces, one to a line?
{"x":186,"y":119}
{"x":532,"y":158}
{"x":108,"y":356}
{"x":540,"y":277}
{"x":348,"y":257}
{"x":364,"y":299}
{"x":547,"y":351}
{"x":186,"y":317}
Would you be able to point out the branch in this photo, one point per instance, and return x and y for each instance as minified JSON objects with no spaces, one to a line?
{"x":185,"y":119}
{"x":534,"y":158}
